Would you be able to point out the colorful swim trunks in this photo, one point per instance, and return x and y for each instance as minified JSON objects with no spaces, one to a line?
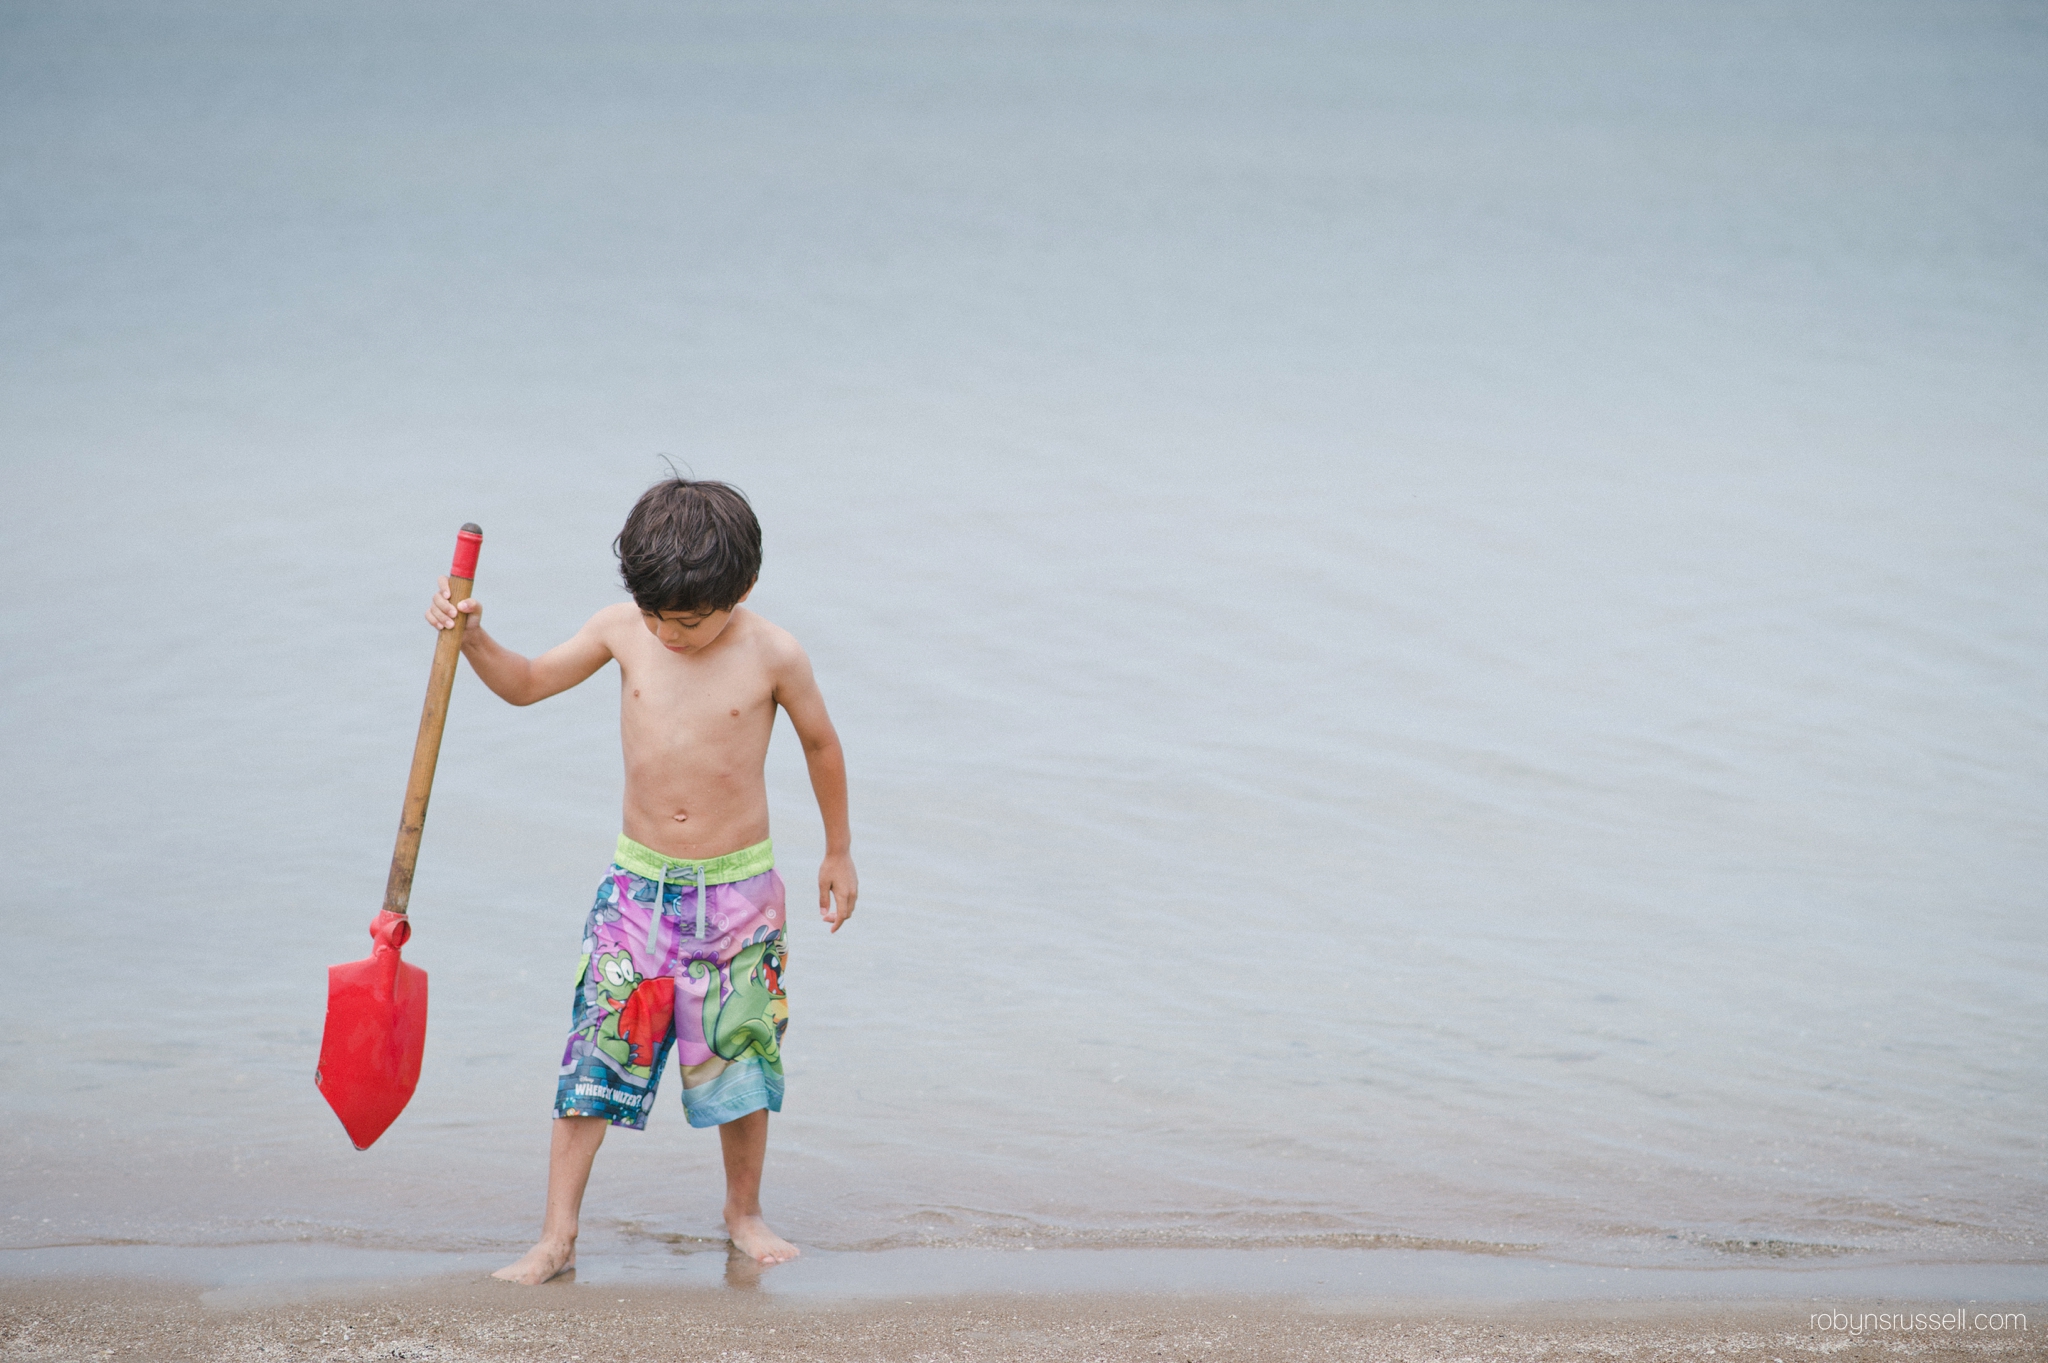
{"x":686,"y":954}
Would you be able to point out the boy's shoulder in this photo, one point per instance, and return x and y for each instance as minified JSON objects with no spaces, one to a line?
{"x":776,"y":645}
{"x":618,"y":613}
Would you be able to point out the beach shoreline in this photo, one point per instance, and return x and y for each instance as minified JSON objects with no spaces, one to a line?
{"x":1425,"y":600}
{"x":467,"y":1316}
{"x":464,"y":1318}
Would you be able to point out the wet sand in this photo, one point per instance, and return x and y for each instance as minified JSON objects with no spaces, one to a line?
{"x":475,"y":1319}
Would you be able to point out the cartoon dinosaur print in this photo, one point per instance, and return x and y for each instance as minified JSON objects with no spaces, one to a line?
{"x":637,"y":1010}
{"x":739,"y":1021}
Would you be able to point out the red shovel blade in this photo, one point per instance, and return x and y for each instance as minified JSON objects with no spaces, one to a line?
{"x":376,"y":1029}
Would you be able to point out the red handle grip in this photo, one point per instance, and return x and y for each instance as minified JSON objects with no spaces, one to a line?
{"x":468,"y":541}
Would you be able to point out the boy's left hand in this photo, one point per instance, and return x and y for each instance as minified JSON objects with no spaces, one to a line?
{"x":837,"y":882}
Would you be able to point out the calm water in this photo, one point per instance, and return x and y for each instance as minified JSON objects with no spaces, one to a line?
{"x":1436,"y":609}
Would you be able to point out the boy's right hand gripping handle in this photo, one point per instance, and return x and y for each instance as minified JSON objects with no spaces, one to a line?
{"x":426,"y":750}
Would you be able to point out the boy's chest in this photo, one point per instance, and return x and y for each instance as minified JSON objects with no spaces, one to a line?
{"x":700,"y":696}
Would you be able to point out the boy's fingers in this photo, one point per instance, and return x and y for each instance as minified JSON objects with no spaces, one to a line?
{"x":830,"y":889}
{"x":437,"y":611}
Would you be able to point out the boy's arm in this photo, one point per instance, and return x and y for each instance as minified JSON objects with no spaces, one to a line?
{"x":519,"y":679}
{"x":796,"y":691}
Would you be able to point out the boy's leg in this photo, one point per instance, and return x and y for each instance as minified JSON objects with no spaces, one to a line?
{"x":572,"y":1145}
{"x":744,"y":1141}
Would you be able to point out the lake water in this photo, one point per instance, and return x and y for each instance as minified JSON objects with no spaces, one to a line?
{"x":1436,"y":610}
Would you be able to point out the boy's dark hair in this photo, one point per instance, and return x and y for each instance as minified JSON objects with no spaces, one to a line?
{"x":689,"y":546}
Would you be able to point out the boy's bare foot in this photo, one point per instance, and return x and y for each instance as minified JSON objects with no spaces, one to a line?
{"x":751,"y":1236}
{"x":545,"y":1262}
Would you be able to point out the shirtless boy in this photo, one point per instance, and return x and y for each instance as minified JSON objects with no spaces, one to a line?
{"x":684,"y":947}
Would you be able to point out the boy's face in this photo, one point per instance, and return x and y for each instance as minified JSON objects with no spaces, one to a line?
{"x":687,"y":631}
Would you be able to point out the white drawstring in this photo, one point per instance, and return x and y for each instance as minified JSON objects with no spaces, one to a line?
{"x":700,"y":872}
{"x":660,"y":907}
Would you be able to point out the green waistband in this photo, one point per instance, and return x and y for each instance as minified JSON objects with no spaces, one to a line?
{"x":740,"y":865}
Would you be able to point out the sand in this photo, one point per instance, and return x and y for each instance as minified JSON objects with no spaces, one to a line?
{"x":474,"y":1319}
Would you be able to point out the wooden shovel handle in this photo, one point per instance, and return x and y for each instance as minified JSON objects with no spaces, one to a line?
{"x":433,"y":717}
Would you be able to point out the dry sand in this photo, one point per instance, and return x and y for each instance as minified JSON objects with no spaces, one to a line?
{"x":460,"y":1320}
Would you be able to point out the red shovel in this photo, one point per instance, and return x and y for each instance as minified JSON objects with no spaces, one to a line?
{"x":377,"y":1007}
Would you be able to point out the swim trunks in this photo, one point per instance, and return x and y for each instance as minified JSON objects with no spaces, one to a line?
{"x":682,"y":954}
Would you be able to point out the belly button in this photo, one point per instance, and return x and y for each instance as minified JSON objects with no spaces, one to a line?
{"x":682,"y":818}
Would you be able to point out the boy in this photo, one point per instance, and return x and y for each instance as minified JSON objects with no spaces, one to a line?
{"x":684,"y":946}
